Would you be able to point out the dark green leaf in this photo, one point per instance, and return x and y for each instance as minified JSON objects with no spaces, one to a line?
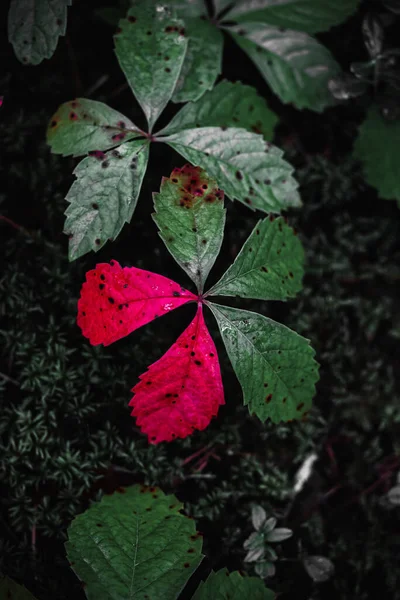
{"x":283,"y":370}
{"x":223,"y":585}
{"x":12,"y":590}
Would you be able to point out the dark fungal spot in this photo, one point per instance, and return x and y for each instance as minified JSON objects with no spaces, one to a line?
{"x":193,"y":337}
{"x":111,"y":300}
{"x":268,"y":399}
{"x":95,"y":206}
{"x":192,"y":353}
{"x":120,"y":306}
{"x":149,"y":32}
{"x":101,"y":286}
{"x":191,"y":550}
{"x":257,"y":231}
{"x":300,"y":406}
{"x":204,"y":242}
{"x":291,"y":274}
{"x":73,"y":116}
{"x":284,"y":400}
{"x":194,"y":229}
{"x":83,"y":314}
{"x":105,"y":164}
{"x":186,"y":565}
{"x":211,"y":354}
{"x":120,"y":322}
{"x":250,"y":249}
{"x":53,"y":123}
{"x":102,"y":277}
{"x":148,"y":509}
{"x":167,"y":70}
{"x":239,"y":175}
{"x":197,"y":362}
{"x":247,"y":200}
{"x":267,"y":181}
{"x":265,"y":384}
{"x":176,"y":294}
{"x":99,"y":525}
{"x":132,"y":19}
{"x":148,"y":382}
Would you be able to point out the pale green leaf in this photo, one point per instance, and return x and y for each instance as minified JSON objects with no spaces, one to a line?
{"x":294,"y":64}
{"x":280,"y":362}
{"x":82,"y":125}
{"x":150,"y":48}
{"x":258,"y":516}
{"x":34,"y":27}
{"x":12,"y":590}
{"x":227,"y":105}
{"x":203,"y":60}
{"x":134,"y":544}
{"x":104,"y":196}
{"x":268,"y":267}
{"x":191,"y":220}
{"x":222,"y":585}
{"x":246,"y":167}
{"x":377,"y":146}
{"x":183,"y":8}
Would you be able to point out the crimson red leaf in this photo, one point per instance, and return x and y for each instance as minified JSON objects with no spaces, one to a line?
{"x":115,"y":301}
{"x":183,"y":389}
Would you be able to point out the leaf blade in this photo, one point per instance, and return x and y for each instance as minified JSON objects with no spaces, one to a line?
{"x":224,"y":585}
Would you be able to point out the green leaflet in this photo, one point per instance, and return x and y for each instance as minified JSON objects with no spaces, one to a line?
{"x":191,"y":224}
{"x":274,"y":365}
{"x":104,"y":196}
{"x":34,"y":27}
{"x":377,"y":146}
{"x":150,"y":48}
{"x":227,"y":105}
{"x":10,"y":589}
{"x":295,"y":65}
{"x":268,"y":267}
{"x":83,"y":125}
{"x":222,"y":585}
{"x":246,"y":167}
{"x":134,"y":544}
{"x":310,"y":16}
{"x":203,"y":60}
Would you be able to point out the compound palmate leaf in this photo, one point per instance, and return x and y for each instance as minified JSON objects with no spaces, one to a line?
{"x":82,"y":125}
{"x":134,"y":544}
{"x":268,"y":267}
{"x":246,"y":167}
{"x":151,"y":46}
{"x":191,"y":217}
{"x":223,"y":585}
{"x":13,"y":591}
{"x":115,"y":301}
{"x":183,"y":390}
{"x":34,"y":27}
{"x":104,"y":195}
{"x":274,"y":365}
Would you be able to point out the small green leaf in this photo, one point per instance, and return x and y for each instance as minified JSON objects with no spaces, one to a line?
{"x":191,"y":217}
{"x":246,"y":167}
{"x":34,"y":27}
{"x":303,"y":15}
{"x":377,"y":146}
{"x":134,"y":544}
{"x":150,"y":48}
{"x":268,"y":267}
{"x":203,"y":60}
{"x":283,"y":370}
{"x":227,"y":105}
{"x":279,"y":535}
{"x":295,"y":65}
{"x":223,"y":585}
{"x":104,"y":196}
{"x":82,"y":125}
{"x":269,"y":525}
{"x":10,"y":589}
{"x":319,"y":568}
{"x":258,"y":516}
{"x":265,"y":569}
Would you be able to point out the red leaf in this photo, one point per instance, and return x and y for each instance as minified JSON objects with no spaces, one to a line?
{"x":183,"y":390}
{"x":115,"y":301}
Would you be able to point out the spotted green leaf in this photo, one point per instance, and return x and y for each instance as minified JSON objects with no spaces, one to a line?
{"x":104,"y":196}
{"x":280,"y":362}
{"x":222,"y":585}
{"x":134,"y":544}
{"x":10,"y":589}
{"x":268,"y":267}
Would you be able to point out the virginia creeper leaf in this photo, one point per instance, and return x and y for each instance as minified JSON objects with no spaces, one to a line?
{"x":377,"y":146}
{"x":104,"y":195}
{"x":295,"y":65}
{"x":227,"y":105}
{"x":203,"y":60}
{"x":182,"y":391}
{"x":280,"y":363}
{"x":268,"y":267}
{"x":150,"y":46}
{"x":134,"y":544}
{"x":83,"y":125}
{"x":246,"y":167}
{"x":222,"y":585}
{"x":310,"y":16}
{"x":10,"y":589}
{"x":191,"y":217}
{"x":34,"y":27}
{"x":115,"y":301}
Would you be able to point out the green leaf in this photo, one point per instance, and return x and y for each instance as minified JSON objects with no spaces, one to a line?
{"x":82,"y":125}
{"x":134,"y":544}
{"x":150,"y":48}
{"x":191,"y":220}
{"x":203,"y":60}
{"x":34,"y":27}
{"x":268,"y":267}
{"x":274,"y":365}
{"x":222,"y":585}
{"x":279,"y":535}
{"x":104,"y":196}
{"x":310,"y":16}
{"x":246,"y":167}
{"x":183,"y":8}
{"x":10,"y":589}
{"x":258,"y":516}
{"x":227,"y":105}
{"x":377,"y":146}
{"x":295,"y":65}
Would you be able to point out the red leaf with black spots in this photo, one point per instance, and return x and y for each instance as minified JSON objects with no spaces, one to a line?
{"x":182,"y":391}
{"x":115,"y":301}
